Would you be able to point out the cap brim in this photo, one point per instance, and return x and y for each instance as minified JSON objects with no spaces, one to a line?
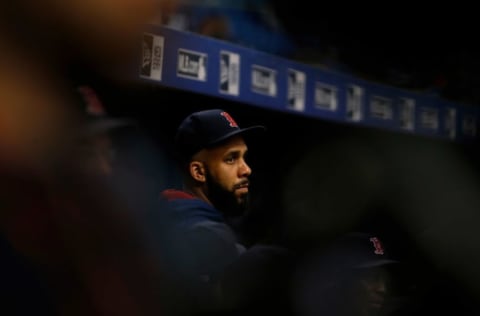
{"x":243,"y":131}
{"x":104,"y":125}
{"x":376,"y":263}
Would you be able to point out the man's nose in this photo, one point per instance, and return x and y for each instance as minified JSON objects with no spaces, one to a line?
{"x":244,"y":170}
{"x":380,"y":286}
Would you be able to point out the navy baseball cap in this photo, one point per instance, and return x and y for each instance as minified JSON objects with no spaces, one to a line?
{"x":97,"y":121}
{"x":206,"y":129}
{"x":360,"y":250}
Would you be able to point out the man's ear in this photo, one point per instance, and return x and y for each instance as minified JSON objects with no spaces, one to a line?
{"x":197,"y":171}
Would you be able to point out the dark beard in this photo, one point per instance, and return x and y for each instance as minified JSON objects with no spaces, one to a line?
{"x":225,"y":201}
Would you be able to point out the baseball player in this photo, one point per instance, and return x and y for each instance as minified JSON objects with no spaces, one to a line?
{"x":352,"y":276}
{"x":212,"y":153}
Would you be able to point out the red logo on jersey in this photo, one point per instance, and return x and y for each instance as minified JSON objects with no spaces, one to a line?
{"x":230,"y":119}
{"x":378,"y":246}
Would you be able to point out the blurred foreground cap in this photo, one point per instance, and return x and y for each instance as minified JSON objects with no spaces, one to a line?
{"x":360,"y":250}
{"x":97,"y":120}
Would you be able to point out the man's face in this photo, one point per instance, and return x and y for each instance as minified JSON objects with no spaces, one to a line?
{"x":372,"y":289}
{"x":227,"y":175}
{"x":95,"y":156}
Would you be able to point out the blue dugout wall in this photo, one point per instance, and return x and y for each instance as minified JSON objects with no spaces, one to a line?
{"x":208,"y":66}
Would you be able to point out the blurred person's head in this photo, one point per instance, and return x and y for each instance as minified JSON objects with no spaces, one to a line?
{"x":351,"y":277}
{"x":96,"y":143}
{"x":212,"y":151}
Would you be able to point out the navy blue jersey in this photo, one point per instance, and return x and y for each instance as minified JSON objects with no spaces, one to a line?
{"x":209,"y":262}
{"x":197,"y":245}
{"x":208,"y":243}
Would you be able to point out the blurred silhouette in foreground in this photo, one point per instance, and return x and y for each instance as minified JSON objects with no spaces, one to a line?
{"x":351,"y":276}
{"x":59,"y":210}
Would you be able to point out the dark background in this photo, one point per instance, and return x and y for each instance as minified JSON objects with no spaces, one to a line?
{"x":427,"y":42}
{"x":403,"y":32}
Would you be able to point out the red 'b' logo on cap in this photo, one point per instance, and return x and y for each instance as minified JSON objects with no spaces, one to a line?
{"x":93,"y":104}
{"x":378,"y":246}
{"x":230,"y":120}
